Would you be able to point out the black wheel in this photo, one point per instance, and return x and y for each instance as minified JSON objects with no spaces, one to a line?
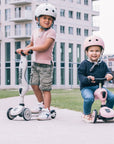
{"x":94,"y":114}
{"x":26,"y":114}
{"x":53,"y":114}
{"x":9,"y":116}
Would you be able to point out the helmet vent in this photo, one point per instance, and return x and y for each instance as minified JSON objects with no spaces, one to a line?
{"x":97,"y":40}
{"x":89,"y":40}
{"x":46,"y":9}
{"x":53,"y":11}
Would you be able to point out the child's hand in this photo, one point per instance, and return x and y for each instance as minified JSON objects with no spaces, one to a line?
{"x":25,"y":51}
{"x":92,"y":78}
{"x":109,"y":77}
{"x":19,"y":50}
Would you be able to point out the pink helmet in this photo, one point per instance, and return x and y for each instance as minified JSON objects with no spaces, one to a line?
{"x":93,"y":41}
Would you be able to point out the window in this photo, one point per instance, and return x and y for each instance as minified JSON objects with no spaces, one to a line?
{"x":86,"y":32}
{"x":110,"y":63}
{"x":70,"y":63}
{"x":7,"y":14}
{"x":62,"y":12}
{"x":17,"y":57}
{"x":78,"y":1}
{"x":62,"y":29}
{"x":7,"y":63}
{"x":0,"y":16}
{"x":28,"y":71}
{"x":62,"y":45}
{"x":0,"y":63}
{"x":7,"y":30}
{"x":70,"y":30}
{"x":78,"y":31}
{"x":62,"y":50}
{"x":86,"y":17}
{"x":55,"y":28}
{"x":17,"y":29}
{"x":78,"y":15}
{"x":71,"y":1}
{"x":78,"y":53}
{"x":85,"y":2}
{"x":18,"y":12}
{"x":70,"y":14}
{"x":28,"y":29}
{"x":54,"y":68}
{"x":6,"y":1}
{"x":28,"y":12}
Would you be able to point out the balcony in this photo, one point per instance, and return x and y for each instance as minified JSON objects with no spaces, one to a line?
{"x":96,"y":10}
{"x":26,"y":16}
{"x":95,"y":25}
{"x":95,"y":13}
{"x":20,"y":2}
{"x":95,"y":28}
{"x":20,"y":34}
{"x":20,"y":37}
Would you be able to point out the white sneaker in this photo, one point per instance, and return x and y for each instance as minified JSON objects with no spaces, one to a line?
{"x":44,"y":115}
{"x":38,"y":109}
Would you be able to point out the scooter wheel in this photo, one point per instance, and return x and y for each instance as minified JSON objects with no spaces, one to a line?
{"x":9,"y":116}
{"x":26,"y":114}
{"x":53,"y":114}
{"x":94,"y":114}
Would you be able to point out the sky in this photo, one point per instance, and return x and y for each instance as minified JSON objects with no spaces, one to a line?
{"x":106,"y":23}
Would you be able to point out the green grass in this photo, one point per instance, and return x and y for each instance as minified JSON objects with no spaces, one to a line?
{"x":10,"y":93}
{"x":61,"y":98}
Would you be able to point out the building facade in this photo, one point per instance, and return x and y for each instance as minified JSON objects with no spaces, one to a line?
{"x":109,"y":60}
{"x":75,"y":21}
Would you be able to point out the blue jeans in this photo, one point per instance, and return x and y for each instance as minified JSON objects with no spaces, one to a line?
{"x":88,"y":96}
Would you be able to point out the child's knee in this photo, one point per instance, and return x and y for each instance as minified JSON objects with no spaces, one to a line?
{"x":89,"y":99}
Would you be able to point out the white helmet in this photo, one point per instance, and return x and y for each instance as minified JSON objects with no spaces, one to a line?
{"x":46,"y":9}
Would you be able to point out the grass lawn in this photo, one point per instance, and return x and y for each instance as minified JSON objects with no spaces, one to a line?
{"x":62,"y":98}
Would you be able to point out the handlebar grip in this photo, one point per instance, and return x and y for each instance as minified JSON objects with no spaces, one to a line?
{"x":30,"y":52}
{"x":23,"y":53}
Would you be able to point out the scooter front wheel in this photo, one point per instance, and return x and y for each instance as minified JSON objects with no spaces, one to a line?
{"x":9,"y":116}
{"x":94,"y":115}
{"x":26,"y":114}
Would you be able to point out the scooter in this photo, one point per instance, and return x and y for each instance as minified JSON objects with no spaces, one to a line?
{"x":105,"y":113}
{"x":21,"y":110}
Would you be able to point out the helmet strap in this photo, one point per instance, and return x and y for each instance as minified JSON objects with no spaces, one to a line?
{"x":95,"y":63}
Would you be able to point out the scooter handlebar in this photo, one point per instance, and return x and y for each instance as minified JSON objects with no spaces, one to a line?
{"x":100,"y":79}
{"x":30,"y":52}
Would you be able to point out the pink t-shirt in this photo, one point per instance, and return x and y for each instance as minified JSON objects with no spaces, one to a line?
{"x":38,"y":38}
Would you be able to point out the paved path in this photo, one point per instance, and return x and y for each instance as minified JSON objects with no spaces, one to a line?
{"x":67,"y":128}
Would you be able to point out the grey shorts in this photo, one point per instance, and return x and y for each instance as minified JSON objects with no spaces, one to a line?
{"x":42,"y":74}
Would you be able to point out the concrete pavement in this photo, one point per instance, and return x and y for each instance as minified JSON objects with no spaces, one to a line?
{"x":67,"y":128}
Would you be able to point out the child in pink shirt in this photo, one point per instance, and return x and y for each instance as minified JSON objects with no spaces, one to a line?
{"x":42,"y":43}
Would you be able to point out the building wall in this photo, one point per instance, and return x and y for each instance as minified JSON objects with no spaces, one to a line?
{"x":20,"y":19}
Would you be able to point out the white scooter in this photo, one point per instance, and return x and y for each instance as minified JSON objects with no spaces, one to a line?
{"x":21,"y":110}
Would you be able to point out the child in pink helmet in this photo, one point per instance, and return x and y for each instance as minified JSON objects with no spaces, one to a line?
{"x":42,"y":43}
{"x":91,"y":68}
